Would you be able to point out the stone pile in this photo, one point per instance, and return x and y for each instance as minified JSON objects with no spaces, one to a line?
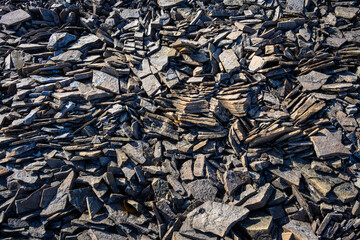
{"x":179,"y":119}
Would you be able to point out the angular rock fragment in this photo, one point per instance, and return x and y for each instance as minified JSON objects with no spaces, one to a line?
{"x":15,"y":17}
{"x":326,"y":145}
{"x":216,"y":218}
{"x":313,"y":80}
{"x":301,"y":230}
{"x":229,"y":61}
{"x":151,"y":85}
{"x":106,"y":82}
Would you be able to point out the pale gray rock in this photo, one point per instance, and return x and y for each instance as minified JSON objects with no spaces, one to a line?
{"x":106,"y":82}
{"x":60,"y":40}
{"x":313,"y":80}
{"x":216,"y":218}
{"x":15,"y":17}
{"x":229,"y":60}
{"x":327,"y":145}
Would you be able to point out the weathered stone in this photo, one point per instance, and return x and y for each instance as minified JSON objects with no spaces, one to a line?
{"x":301,"y":230}
{"x":15,"y":17}
{"x":346,"y":12}
{"x":256,"y":63}
{"x":202,"y":189}
{"x":151,"y":85}
{"x":346,"y":192}
{"x":260,"y":199}
{"x":326,"y":145}
{"x":258,"y":226}
{"x":186,"y":171}
{"x":229,"y":60}
{"x":234,"y":179}
{"x":313,"y":80}
{"x":58,"y":203}
{"x":217,"y":218}
{"x":60,"y":40}
{"x":106,"y":82}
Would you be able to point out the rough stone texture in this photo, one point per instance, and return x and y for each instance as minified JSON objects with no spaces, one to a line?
{"x":313,"y":80}
{"x":106,"y":82}
{"x":203,"y":189}
{"x":151,"y":85}
{"x":326,"y":145}
{"x":216,"y":218}
{"x":229,"y":60}
{"x":301,"y":230}
{"x":15,"y":17}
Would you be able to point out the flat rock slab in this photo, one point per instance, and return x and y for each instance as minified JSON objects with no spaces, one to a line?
{"x":58,"y":203}
{"x":15,"y":17}
{"x":301,"y":230}
{"x":260,"y":199}
{"x":169,"y":3}
{"x":295,"y":5}
{"x":202,"y":190}
{"x":59,"y":40}
{"x":313,"y":80}
{"x":151,"y":85}
{"x":106,"y":82}
{"x":327,"y":145}
{"x":256,"y":63}
{"x":229,"y":60}
{"x":216,"y":218}
{"x":346,"y":12}
{"x":258,"y":225}
{"x":346,"y":192}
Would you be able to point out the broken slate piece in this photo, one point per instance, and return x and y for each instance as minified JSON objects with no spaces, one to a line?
{"x":60,"y":40}
{"x":256,"y":63}
{"x":15,"y":17}
{"x":93,"y":206}
{"x":58,"y":203}
{"x":151,"y":85}
{"x":327,"y":145}
{"x":313,"y":80}
{"x":301,"y":230}
{"x":229,"y":60}
{"x":202,"y":189}
{"x":106,"y":82}
{"x":217,"y":218}
{"x":260,"y":199}
{"x":169,"y":3}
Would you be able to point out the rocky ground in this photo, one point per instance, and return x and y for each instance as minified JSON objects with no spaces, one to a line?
{"x":179,"y":119}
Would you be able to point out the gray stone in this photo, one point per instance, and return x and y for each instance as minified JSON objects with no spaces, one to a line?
{"x":216,"y":218}
{"x":346,"y":12}
{"x":295,"y":5}
{"x":258,"y":226}
{"x":170,"y":79}
{"x":229,"y":60}
{"x":15,"y":17}
{"x":58,"y":203}
{"x":202,"y":189}
{"x":260,"y":199}
{"x":256,"y":63}
{"x":60,"y":40}
{"x":313,"y":80}
{"x":235,"y":179}
{"x":346,"y":192}
{"x":126,"y":13}
{"x":68,"y":56}
{"x":301,"y":230}
{"x":106,"y":82}
{"x":327,"y":145}
{"x":151,"y":85}
{"x":169,"y":3}
{"x":84,"y":42}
